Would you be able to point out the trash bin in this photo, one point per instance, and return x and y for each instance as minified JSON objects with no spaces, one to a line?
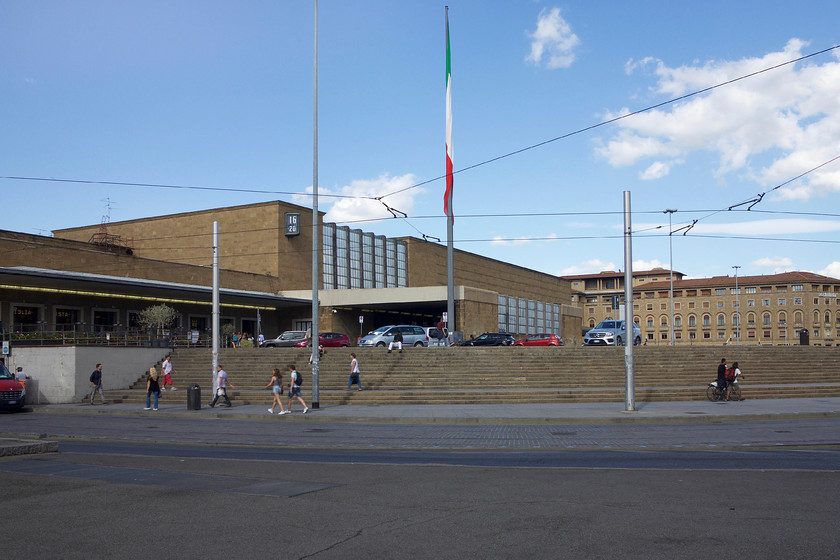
{"x":194,"y":397}
{"x":804,"y":337}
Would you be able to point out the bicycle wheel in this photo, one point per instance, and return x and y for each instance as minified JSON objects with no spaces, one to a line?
{"x":712,"y":393}
{"x":734,"y":392}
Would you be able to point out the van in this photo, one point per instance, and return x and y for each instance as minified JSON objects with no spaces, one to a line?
{"x":412,"y":336}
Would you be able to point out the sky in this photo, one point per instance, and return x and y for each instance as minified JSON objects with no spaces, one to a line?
{"x":558,"y":108}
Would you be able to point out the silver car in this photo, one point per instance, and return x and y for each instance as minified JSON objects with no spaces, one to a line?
{"x":412,"y":336}
{"x":285,"y":340}
{"x":611,"y":333}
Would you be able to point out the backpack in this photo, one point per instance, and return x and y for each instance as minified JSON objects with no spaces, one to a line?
{"x":729,"y":375}
{"x":298,"y":378}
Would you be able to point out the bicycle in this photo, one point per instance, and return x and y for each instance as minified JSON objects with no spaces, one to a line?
{"x":714,"y":393}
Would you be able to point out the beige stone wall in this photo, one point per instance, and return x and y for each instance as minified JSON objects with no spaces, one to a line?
{"x":251,"y":239}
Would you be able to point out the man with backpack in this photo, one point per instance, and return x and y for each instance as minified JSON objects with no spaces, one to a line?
{"x":295,"y":381}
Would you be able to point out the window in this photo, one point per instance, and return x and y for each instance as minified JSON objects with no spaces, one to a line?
{"x":782,"y":319}
{"x":765,"y":319}
{"x":677,"y":321}
{"x":707,"y":320}
{"x":720,"y":291}
{"x":796,"y":288}
{"x":781,"y":301}
{"x":663,"y":306}
{"x":765,"y":302}
{"x":720,"y":305}
{"x":649,"y":307}
{"x":692,"y":321}
{"x":797,"y":318}
{"x":816,"y":317}
{"x":650,"y":322}
{"x":721,"y":320}
{"x":691,"y":305}
{"x":781,"y":288}
{"x":766,"y":289}
{"x":750,"y":303}
{"x":750,"y":319}
{"x":749,"y":290}
{"x":735,"y":291}
{"x":797,"y":301}
{"x":663,"y":321}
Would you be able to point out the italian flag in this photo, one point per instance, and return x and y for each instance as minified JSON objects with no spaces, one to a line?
{"x":447,"y":197}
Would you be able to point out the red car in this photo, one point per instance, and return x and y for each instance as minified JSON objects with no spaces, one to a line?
{"x":328,"y":340}
{"x":540,"y":339}
{"x":12,"y":392}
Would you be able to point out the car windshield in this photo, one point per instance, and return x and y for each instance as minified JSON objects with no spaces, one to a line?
{"x":607,"y":325}
{"x":484,"y":336}
{"x":289,"y":335}
{"x":5,"y":373}
{"x":380,"y":330}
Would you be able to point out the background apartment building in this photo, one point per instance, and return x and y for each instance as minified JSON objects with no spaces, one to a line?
{"x":774,"y":309}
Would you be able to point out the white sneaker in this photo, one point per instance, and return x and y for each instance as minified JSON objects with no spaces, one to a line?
{"x":270,"y":411}
{"x":285,"y":412}
{"x":148,"y":408}
{"x":305,"y":410}
{"x":173,"y":389}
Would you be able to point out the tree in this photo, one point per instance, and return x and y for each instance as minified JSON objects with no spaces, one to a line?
{"x":157,"y":317}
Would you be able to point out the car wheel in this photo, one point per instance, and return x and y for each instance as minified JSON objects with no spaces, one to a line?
{"x":380,"y":344}
{"x":345,"y":345}
{"x":418,"y":343}
{"x":619,"y":341}
{"x":637,"y":341}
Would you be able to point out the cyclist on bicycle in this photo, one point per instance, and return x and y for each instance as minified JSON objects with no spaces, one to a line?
{"x":721,"y":375}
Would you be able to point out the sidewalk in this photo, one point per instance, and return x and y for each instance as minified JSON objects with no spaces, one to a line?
{"x":576,"y":413}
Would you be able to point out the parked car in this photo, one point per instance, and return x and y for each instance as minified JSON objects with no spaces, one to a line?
{"x":540,"y":339}
{"x":491,"y":339}
{"x":611,"y":333}
{"x":12,"y":391}
{"x":412,"y":336}
{"x":287,"y":339}
{"x":328,"y":340}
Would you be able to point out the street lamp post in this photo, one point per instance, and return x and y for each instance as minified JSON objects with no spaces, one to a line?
{"x":670,"y":212}
{"x":737,"y":308}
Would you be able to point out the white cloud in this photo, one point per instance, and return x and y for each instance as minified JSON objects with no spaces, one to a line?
{"x":360,"y":192}
{"x":832,"y":270}
{"x":776,"y":264}
{"x":657,"y":170}
{"x":649,"y":265}
{"x":790,"y":114}
{"x":554,"y":40}
{"x":593,"y":266}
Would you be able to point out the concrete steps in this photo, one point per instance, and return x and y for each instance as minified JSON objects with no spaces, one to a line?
{"x":507,"y":375}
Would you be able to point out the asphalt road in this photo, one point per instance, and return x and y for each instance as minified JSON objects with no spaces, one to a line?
{"x":164,"y":487}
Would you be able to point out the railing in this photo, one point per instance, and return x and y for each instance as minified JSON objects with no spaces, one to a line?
{"x":123,"y":337}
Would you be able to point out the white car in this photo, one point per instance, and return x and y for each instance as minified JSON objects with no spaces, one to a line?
{"x":611,"y":333}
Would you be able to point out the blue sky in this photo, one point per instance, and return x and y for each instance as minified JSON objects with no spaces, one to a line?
{"x":219,"y":94}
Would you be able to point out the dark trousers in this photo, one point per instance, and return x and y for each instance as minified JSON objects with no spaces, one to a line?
{"x":216,"y":398}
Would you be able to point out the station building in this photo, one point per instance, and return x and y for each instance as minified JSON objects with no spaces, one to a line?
{"x":265,"y":255}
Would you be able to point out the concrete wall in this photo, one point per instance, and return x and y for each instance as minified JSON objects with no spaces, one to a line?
{"x":62,"y":374}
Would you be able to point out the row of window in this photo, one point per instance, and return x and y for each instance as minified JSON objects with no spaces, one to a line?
{"x":353,"y":258}
{"x":32,"y":318}
{"x":527,"y":316}
{"x":766,"y":319}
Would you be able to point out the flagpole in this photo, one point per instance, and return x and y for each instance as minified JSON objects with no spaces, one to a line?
{"x":450,"y":214}
{"x":315,"y":340}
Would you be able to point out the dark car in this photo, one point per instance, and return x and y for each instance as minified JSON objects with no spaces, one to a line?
{"x":540,"y":339}
{"x":12,"y":391}
{"x":328,"y":340}
{"x":287,"y":339}
{"x":491,"y":339}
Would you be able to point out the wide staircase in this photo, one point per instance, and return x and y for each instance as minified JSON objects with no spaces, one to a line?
{"x":505,"y":375}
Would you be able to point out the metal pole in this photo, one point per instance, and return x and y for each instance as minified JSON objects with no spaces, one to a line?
{"x":629,"y":378}
{"x":737,"y":308}
{"x":671,"y":266}
{"x":215,"y":320}
{"x":316,"y":249}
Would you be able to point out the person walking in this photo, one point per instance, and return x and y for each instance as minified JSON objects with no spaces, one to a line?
{"x":354,"y":373}
{"x":96,"y":384}
{"x":167,"y":371}
{"x":730,"y":385}
{"x":221,"y":375}
{"x":398,"y":340}
{"x":276,"y":384}
{"x":295,"y":381}
{"x":152,"y":388}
